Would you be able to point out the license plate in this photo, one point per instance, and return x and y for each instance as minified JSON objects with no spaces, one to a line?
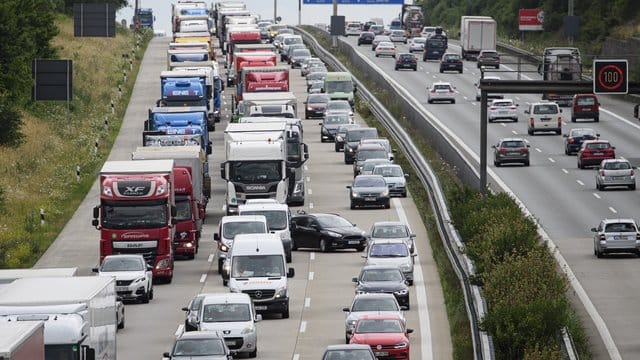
{"x":586,"y":109}
{"x":230,"y":342}
{"x":598,"y":154}
{"x":622,"y":237}
{"x":261,"y":307}
{"x":381,"y":353}
{"x":545,"y":119}
{"x":513,"y":153}
{"x":354,"y":242}
{"x":122,"y":288}
{"x":369,"y":199}
{"x":502,"y":112}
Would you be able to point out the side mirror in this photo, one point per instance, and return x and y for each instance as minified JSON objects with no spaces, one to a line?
{"x":406,"y":176}
{"x":95,"y":223}
{"x":95,"y":270}
{"x":209,"y":148}
{"x":363,"y":256}
{"x":348,"y":186}
{"x":149,"y":267}
{"x":96,"y":212}
{"x":493,"y":146}
{"x":613,"y":147}
{"x":594,"y":230}
{"x":216,"y":236}
{"x":409,"y":331}
{"x":291,"y":273}
{"x":174,"y":211}
{"x":319,"y":123}
{"x":258,"y":318}
{"x":565,"y":135}
{"x":560,"y":110}
{"x":185,"y":309}
{"x":346,"y":309}
{"x":412,"y":235}
{"x":528,"y":145}
{"x":355,"y":279}
{"x":223,"y":173}
{"x":526,"y":112}
{"x":166,"y":355}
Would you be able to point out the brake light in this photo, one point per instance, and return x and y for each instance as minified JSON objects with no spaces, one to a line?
{"x":531,"y":121}
{"x":512,"y":107}
{"x":571,"y":140}
{"x":637,"y":236}
{"x":602,"y":237}
{"x":601,"y":172}
{"x":524,"y":150}
{"x":502,"y":150}
{"x":451,"y":90}
{"x":433,"y":90}
{"x":632,"y":173}
{"x":492,"y":108}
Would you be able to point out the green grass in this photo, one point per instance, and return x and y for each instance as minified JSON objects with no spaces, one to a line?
{"x":41,"y":172}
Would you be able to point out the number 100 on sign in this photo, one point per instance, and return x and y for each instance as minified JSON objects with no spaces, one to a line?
{"x":610,"y":77}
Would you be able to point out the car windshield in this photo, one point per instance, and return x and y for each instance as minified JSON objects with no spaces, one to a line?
{"x":231,"y":229}
{"x":419,"y":40}
{"x":292,"y":40}
{"x":318,"y":99}
{"x":390,"y":231}
{"x":332,"y":221}
{"x":359,"y":354}
{"x":452,"y":57}
{"x":545,"y":109}
{"x":620,"y":227}
{"x":226,"y":312}
{"x":388,"y":171}
{"x":375,"y":304}
{"x":257,"y":266}
{"x":598,"y":146}
{"x":490,"y":54}
{"x":369,"y":182}
{"x":199,"y":347}
{"x":513,"y":144}
{"x":359,"y":134}
{"x":586,"y":101}
{"x":372,"y":154}
{"x":318,"y":75}
{"x":378,"y":326}
{"x":276,"y":219}
{"x":617,"y":165}
{"x":122,"y":264}
{"x":382,"y":275}
{"x":442,"y":87}
{"x":370,"y":165}
{"x":135,"y":216}
{"x":336,"y":119}
{"x":406,"y":56}
{"x":301,"y":53}
{"x":389,"y":250}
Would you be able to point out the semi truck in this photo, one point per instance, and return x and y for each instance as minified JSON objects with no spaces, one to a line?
{"x":560,"y":64}
{"x":252,"y":99}
{"x":248,"y":36}
{"x":78,"y":313}
{"x":189,"y":87}
{"x":188,"y":10}
{"x":214,"y":90}
{"x":412,"y":20}
{"x":256,"y":164}
{"x":144,"y":18}
{"x":180,"y":120}
{"x":477,"y":33}
{"x":22,"y":340}
{"x":250,"y":59}
{"x":191,"y":201}
{"x":263,"y":79}
{"x":136,"y":212}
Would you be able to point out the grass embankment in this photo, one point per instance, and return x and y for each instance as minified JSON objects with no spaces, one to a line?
{"x":41,"y":173}
{"x":510,"y":259}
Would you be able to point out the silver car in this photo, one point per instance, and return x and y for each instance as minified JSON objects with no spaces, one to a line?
{"x":369,"y":304}
{"x":369,"y":164}
{"x":383,"y":230}
{"x":395,"y":177}
{"x":202,"y":345}
{"x":391,"y":252}
{"x":441,"y":91}
{"x":616,"y":235}
{"x":615,"y":172}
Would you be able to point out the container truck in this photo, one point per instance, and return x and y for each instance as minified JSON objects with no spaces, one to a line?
{"x":188,"y":88}
{"x":22,"y":340}
{"x":560,"y":64}
{"x":477,"y":33}
{"x":136,"y":212}
{"x":78,"y":314}
{"x":191,"y":201}
{"x":248,"y":36}
{"x":188,"y":10}
{"x":256,"y":165}
{"x":214,"y":90}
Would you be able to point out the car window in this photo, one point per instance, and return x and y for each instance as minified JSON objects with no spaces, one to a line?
{"x":617,"y":165}
{"x":620,"y":227}
{"x":513,"y":144}
{"x":389,"y":250}
{"x":598,"y":146}
{"x":276,"y":219}
{"x":332,"y":221}
{"x":318,"y":99}
{"x":301,"y":52}
{"x":379,"y":304}
{"x":441,"y":87}
{"x":390,"y":231}
{"x":122,"y":264}
{"x":301,"y":221}
{"x":388,"y":171}
{"x":406,"y":56}
{"x":502,"y":103}
{"x":586,"y":101}
{"x":199,"y":347}
{"x":371,"y":154}
{"x":336,"y":119}
{"x":358,"y":134}
{"x":545,"y":109}
{"x":381,"y":275}
{"x":452,"y":57}
{"x":231,"y":229}
{"x":369,"y":182}
{"x":378,"y":326}
{"x":583,"y":132}
{"x":358,"y":354}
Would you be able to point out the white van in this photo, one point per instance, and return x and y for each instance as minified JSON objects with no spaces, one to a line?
{"x":230,"y":226}
{"x":234,"y":316}
{"x":278,"y":219}
{"x":257,"y":268}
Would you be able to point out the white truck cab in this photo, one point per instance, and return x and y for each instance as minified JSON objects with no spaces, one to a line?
{"x":278,"y":219}
{"x":257,"y":268}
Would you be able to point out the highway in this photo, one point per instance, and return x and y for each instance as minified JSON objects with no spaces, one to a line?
{"x":562,"y":197}
{"x":322,"y":285}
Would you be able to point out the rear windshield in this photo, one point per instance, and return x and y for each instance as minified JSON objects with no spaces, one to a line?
{"x":357,"y":135}
{"x":545,"y":109}
{"x":620,"y":227}
{"x":491,"y":54}
{"x":231,"y":229}
{"x":292,"y":40}
{"x":441,"y":87}
{"x":372,"y":154}
{"x":513,"y":144}
{"x":586,"y":101}
{"x":617,"y":165}
{"x":598,"y":146}
{"x":301,"y":52}
{"x":388,"y":171}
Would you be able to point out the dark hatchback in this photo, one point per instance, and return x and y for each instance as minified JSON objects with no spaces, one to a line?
{"x":352,"y":139}
{"x":326,"y":232}
{"x":366,"y":37}
{"x":315,"y":105}
{"x":451,"y":62}
{"x":574,"y":139}
{"x":383,"y":279}
{"x":406,"y":61}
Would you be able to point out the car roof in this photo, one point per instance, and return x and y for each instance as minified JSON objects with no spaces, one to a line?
{"x":349,"y":347}
{"x":389,"y":241}
{"x":200,"y":335}
{"x":369,"y":146}
{"x":134,"y":256}
{"x":380,"y":267}
{"x":368,"y":176}
{"x":441,"y":83}
{"x":388,"y":223}
{"x":383,"y":161}
{"x":374,"y":296}
{"x":380,"y":317}
{"x":241,"y":218}
{"x":511,"y":139}
{"x":503,"y":100}
{"x":492,"y":77}
{"x":618,"y":220}
{"x":543,"y":103}
{"x":596,"y":141}
{"x":615,"y":160}
{"x":217,"y":298}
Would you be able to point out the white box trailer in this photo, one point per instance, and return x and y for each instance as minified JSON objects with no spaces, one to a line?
{"x":477,"y":33}
{"x":23,"y":340}
{"x":79,"y":314}
{"x":9,"y":275}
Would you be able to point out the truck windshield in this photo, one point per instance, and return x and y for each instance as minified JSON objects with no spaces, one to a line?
{"x":255,"y":171}
{"x":62,"y":352}
{"x":257,"y":266}
{"x":183,"y":208}
{"x":345,"y":86}
{"x":276,"y":219}
{"x":124,"y":216}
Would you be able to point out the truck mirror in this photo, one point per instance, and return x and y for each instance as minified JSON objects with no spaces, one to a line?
{"x":158,"y":102}
{"x":95,"y":270}
{"x":209,"y":148}
{"x":174,"y":211}
{"x":291,"y":273}
{"x":222,"y":171}
{"x":95,"y":222}
{"x":89,"y":353}
{"x":216,"y":237}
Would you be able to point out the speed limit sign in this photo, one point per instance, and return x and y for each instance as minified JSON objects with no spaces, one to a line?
{"x":610,"y":77}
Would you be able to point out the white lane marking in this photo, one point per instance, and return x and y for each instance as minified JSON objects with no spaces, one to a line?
{"x":307,"y":302}
{"x":612,"y":210}
{"x":538,"y":150}
{"x":210,"y":258}
{"x":312,"y":255}
{"x":303,"y":326}
{"x":306,"y":168}
{"x":179,"y":330}
{"x":308,"y":179}
{"x":517,"y":98}
{"x":203,"y":278}
{"x":296,"y":357}
{"x":596,"y":196}
{"x":580,"y":182}
{"x":514,"y":132}
{"x":310,"y":205}
{"x":550,"y":159}
{"x":311,"y":275}
{"x":565,"y":171}
{"x":503,"y":124}
{"x":310,"y":192}
{"x":465,"y":98}
{"x":421,"y":294}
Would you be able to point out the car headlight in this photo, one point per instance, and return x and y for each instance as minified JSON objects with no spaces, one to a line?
{"x":234,"y":289}
{"x":281,"y":292}
{"x":223,"y":247}
{"x":339,"y":138}
{"x":400,"y":345}
{"x":333,"y":234}
{"x":352,"y":323}
{"x":350,"y":149}
{"x":248,"y":330}
{"x":385,"y":192}
{"x":354,"y":194}
{"x":140,"y":279}
{"x":406,"y":267}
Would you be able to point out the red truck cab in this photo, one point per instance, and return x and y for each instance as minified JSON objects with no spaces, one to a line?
{"x":585,"y":106}
{"x":187,"y":234}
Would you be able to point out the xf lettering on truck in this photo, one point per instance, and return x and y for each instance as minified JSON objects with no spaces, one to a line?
{"x":134,"y":190}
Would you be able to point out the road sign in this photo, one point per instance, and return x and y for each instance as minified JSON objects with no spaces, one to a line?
{"x":610,"y":77}
{"x":354,"y":2}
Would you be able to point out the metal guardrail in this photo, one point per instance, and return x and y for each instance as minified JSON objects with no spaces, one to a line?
{"x":474,"y":303}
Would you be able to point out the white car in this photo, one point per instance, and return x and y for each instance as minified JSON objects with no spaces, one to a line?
{"x":489,"y":96}
{"x":385,"y":48}
{"x":417,"y":44}
{"x":378,"y":39}
{"x":353,"y":29}
{"x":441,"y":91}
{"x":544,"y":116}
{"x":502,"y":109}
{"x":398,"y":36}
{"x":134,"y":280}
{"x":427,"y":31}
{"x":368,"y":304}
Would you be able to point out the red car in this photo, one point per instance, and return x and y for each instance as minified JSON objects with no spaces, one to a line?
{"x":386,"y":334}
{"x":593,"y":152}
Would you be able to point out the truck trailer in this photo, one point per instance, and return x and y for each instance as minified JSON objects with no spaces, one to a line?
{"x":78,"y":313}
{"x":22,"y":340}
{"x":560,"y":64}
{"x":136,"y":212}
{"x":263,"y":79}
{"x":477,"y":33}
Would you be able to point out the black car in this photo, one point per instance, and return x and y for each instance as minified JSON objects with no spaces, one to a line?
{"x":326,"y":232}
{"x":352,"y":139}
{"x":340,"y":135}
{"x":331,"y":123}
{"x":451,"y":62}
{"x":383,"y":279}
{"x":366,"y":37}
{"x":315,"y":104}
{"x":192,"y":311}
{"x":489,"y":58}
{"x":574,"y":139}
{"x":406,"y":61}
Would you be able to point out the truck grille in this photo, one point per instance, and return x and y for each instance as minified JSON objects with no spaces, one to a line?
{"x":260,"y":294}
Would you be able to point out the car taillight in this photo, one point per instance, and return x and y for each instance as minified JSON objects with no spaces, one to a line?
{"x":602,"y":237}
{"x":559,"y":121}
{"x":531,"y":121}
{"x":512,"y":107}
{"x":492,"y":108}
{"x":601,"y":172}
{"x":451,"y":90}
{"x":632,"y":173}
{"x":413,"y":60}
{"x":502,"y":150}
{"x":524,"y":150}
{"x":571,"y":140}
{"x":433,"y":90}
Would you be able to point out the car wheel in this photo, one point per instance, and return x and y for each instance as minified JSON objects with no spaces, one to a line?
{"x":415,"y":68}
{"x":580,"y":166}
{"x":596,"y":119}
{"x":558,"y":132}
{"x":530,"y":131}
{"x":404,"y":194}
{"x":430,"y":101}
{"x":453,"y":101}
{"x":294,"y":246}
{"x":478,"y":65}
{"x":336,"y":148}
{"x":410,"y":282}
{"x":497,"y":66}
{"x":598,"y":253}
{"x":352,"y":206}
{"x":490,"y":120}
{"x":632,"y":187}
{"x":360,"y":248}
{"x":225,"y":282}
{"x":460,"y":71}
{"x":323,"y":245}
{"x":424,"y":59}
{"x":599,"y":186}
{"x":121,"y":324}
{"x":526,"y":163}
{"x":254,"y":353}
{"x":393,"y":56}
{"x":387,"y":205}
{"x":288,"y":257}
{"x":515,"y":119}
{"x":145,"y":298}
{"x":496,"y":163}
{"x":566,"y":151}
{"x":573,"y":119}
{"x":151,"y":293}
{"x":347,"y":339}
{"x":396,"y":68}
{"x":477,"y":98}
{"x":377,"y":55}
{"x":306,"y":116}
{"x":285,"y":314}
{"x":441,"y":71}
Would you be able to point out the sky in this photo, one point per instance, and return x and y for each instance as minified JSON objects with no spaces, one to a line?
{"x":287,"y":9}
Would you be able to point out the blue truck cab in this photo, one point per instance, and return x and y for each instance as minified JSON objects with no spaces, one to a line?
{"x":184,"y":118}
{"x":146,"y":18}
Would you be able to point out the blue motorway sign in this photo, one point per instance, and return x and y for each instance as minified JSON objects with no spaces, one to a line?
{"x":353,"y":2}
